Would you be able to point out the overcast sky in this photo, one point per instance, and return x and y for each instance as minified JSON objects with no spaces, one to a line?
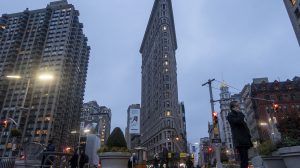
{"x":231,"y":40}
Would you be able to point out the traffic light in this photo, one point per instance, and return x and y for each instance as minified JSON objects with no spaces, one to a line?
{"x":275,"y":107}
{"x":210,"y":149}
{"x":215,"y":118}
{"x":67,"y":150}
{"x":4,"y":123}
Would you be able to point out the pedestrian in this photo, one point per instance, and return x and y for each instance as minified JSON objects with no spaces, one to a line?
{"x":74,"y":160}
{"x":164,"y":159}
{"x":155,"y":162}
{"x":84,"y":159}
{"x":129,"y":163}
{"x":240,"y":132}
{"x":189,"y":163}
{"x":47,"y":159}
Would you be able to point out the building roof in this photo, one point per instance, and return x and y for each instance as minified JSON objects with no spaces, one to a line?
{"x":172,"y":24}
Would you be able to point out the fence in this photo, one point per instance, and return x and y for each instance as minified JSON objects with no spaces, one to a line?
{"x":54,"y":159}
{"x":6,"y":162}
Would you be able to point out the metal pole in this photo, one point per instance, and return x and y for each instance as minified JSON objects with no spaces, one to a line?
{"x":216,"y":145}
{"x":22,"y":108}
{"x":24,"y":100}
{"x":78,"y":142}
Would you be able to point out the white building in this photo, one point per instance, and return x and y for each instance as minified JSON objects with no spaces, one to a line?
{"x":225,"y":129}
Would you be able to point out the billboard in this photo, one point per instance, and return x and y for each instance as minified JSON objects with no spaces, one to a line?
{"x":134,"y":121}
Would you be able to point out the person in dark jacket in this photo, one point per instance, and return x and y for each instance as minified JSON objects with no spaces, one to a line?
{"x":84,"y":159}
{"x":155,"y":161}
{"x":164,"y":159}
{"x":189,"y":163}
{"x":129,"y":163}
{"x":240,"y":132}
{"x":74,"y":160}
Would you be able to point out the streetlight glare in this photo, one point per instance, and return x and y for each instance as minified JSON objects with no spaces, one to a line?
{"x":13,"y":76}
{"x":73,"y":132}
{"x":46,"y":77}
{"x":86,"y":130}
{"x":263,"y":124}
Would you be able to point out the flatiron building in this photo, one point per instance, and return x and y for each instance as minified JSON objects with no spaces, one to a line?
{"x":160,"y":112}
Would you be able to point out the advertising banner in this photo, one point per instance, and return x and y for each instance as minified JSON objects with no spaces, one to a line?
{"x":134,"y":121}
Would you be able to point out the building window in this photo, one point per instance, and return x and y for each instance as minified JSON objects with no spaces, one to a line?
{"x":168,"y":113}
{"x":164,"y":28}
{"x":167,"y":104}
{"x":167,"y":95}
{"x":297,"y":13}
{"x":167,"y":86}
{"x":293,"y":2}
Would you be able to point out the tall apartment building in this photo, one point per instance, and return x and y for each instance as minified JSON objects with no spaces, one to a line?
{"x":160,"y":117}
{"x":131,"y":139}
{"x":97,"y":119}
{"x":34,"y":42}
{"x":293,"y":9}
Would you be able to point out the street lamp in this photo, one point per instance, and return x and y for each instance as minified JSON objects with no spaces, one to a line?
{"x":263,"y":124}
{"x":42,"y":77}
{"x":45,"y":77}
{"x":86,"y":130}
{"x":13,"y":76}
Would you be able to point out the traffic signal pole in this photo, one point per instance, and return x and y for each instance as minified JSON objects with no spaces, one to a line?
{"x":215,"y":136}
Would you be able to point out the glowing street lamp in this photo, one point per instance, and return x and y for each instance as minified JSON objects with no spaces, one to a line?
{"x":263,"y":124}
{"x":73,"y":132}
{"x":45,"y":77}
{"x":86,"y":130}
{"x":13,"y":76}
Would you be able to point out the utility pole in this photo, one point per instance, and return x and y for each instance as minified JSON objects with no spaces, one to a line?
{"x":216,"y":136}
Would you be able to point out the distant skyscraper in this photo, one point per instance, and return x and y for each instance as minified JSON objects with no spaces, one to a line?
{"x":183,"y":134}
{"x":105,"y":123}
{"x":160,"y":119}
{"x":131,"y":139}
{"x":51,"y":41}
{"x":293,"y":9}
{"x":97,"y":119}
{"x":225,"y":127}
{"x":204,"y":151}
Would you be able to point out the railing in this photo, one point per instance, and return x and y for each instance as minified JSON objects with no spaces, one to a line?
{"x":54,"y":159}
{"x":6,"y":162}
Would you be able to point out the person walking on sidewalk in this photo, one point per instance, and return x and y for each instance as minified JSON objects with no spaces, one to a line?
{"x":84,"y":159}
{"x":74,"y":160}
{"x":240,"y":132}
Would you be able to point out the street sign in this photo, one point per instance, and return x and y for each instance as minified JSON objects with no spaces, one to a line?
{"x":183,"y":155}
{"x":169,"y":155}
{"x":218,"y":140}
